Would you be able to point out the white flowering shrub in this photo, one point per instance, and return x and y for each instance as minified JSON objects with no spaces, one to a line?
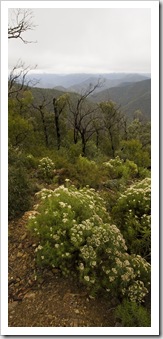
{"x":118,"y":168}
{"x":132,"y":215}
{"x":46,"y":169}
{"x":76,"y":235}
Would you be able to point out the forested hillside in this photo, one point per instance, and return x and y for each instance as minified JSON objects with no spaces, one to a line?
{"x":86,"y":166}
{"x":79,"y":192}
{"x":131,"y":91}
{"x":130,"y":96}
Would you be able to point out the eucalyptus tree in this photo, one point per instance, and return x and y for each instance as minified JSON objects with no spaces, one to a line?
{"x":113,"y":123}
{"x":83,"y":115}
{"x":59,"y":105}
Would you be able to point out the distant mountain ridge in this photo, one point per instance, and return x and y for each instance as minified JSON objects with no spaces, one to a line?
{"x":78,"y":82}
{"x":131,"y":91}
{"x":130,"y":96}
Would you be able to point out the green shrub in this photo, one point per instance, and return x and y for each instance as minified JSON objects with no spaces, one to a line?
{"x":133,"y":150}
{"x":75,"y":234}
{"x":87,"y":172}
{"x":132,"y":315}
{"x":31,"y":162}
{"x":19,"y":184}
{"x":118,"y":168}
{"x":46,"y":169}
{"x":132,"y":214}
{"x":19,"y":191}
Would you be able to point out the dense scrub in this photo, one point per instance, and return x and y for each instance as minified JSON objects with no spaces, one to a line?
{"x":91,"y":188}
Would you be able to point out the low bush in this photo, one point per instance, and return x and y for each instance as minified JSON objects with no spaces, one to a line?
{"x":132,"y":214}
{"x":132,"y":315}
{"x":19,"y":191}
{"x":20,"y":186}
{"x":118,"y":168}
{"x":46,"y":169}
{"x":134,"y":151}
{"x":75,"y":234}
{"x":87,"y":172}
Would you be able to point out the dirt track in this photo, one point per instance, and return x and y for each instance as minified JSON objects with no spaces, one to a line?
{"x":44,"y":298}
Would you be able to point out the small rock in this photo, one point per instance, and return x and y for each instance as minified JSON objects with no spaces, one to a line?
{"x":29,"y":295}
{"x":24,"y":236}
{"x":76,"y":311}
{"x":74,"y":323}
{"x":68,"y":295}
{"x":20,"y":246}
{"x":12,"y":305}
{"x":17,"y":284}
{"x":91,"y":297}
{"x":55,"y":270}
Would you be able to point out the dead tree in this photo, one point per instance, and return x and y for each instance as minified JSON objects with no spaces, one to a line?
{"x":41,"y":109}
{"x":20,"y":21}
{"x":78,"y":112}
{"x":18,"y":79}
{"x":59,"y":106}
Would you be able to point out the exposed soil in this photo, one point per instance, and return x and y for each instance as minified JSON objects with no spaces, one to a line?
{"x":44,"y":298}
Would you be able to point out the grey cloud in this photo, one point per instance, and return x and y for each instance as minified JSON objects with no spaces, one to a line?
{"x":87,"y":40}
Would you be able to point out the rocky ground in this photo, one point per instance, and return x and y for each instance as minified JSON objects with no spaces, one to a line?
{"x":44,"y":298}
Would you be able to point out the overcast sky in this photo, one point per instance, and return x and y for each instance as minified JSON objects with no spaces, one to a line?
{"x":86,"y":41}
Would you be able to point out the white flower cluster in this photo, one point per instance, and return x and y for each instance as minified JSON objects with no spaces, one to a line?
{"x":45,"y":167}
{"x":137,"y":291}
{"x":75,"y":229}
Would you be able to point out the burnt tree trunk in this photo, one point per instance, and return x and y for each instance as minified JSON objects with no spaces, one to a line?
{"x":57,"y":125}
{"x":44,"y":126}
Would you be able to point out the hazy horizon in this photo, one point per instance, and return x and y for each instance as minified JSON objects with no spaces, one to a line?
{"x":86,"y":40}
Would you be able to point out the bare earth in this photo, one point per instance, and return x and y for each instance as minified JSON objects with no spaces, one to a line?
{"x":50,"y":300}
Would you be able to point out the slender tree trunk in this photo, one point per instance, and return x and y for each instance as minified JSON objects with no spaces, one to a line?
{"x":57,"y":126}
{"x":112,"y":143}
{"x":83,"y":144}
{"x":75,"y":136}
{"x":97,"y":139}
{"x":58,"y":132}
{"x":44,"y":128}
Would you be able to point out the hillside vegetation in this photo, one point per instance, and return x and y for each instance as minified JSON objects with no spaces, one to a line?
{"x":83,"y":170}
{"x":131,"y":91}
{"x":131,"y":97}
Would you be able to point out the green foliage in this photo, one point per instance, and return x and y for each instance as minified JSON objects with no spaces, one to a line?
{"x":19,"y":190}
{"x":19,"y":199}
{"x":117,"y":174}
{"x":20,"y":182}
{"x":132,"y":150}
{"x":141,"y":131}
{"x":75,"y":233}
{"x":20,"y":130}
{"x":31,"y":161}
{"x":46,"y":169}
{"x":118,"y":168}
{"x":132,"y":315}
{"x":74,"y":151}
{"x":87,"y":172}
{"x":132,"y":214}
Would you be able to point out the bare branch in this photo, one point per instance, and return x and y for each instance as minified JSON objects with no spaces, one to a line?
{"x":21,"y":20}
{"x":17,"y":80}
